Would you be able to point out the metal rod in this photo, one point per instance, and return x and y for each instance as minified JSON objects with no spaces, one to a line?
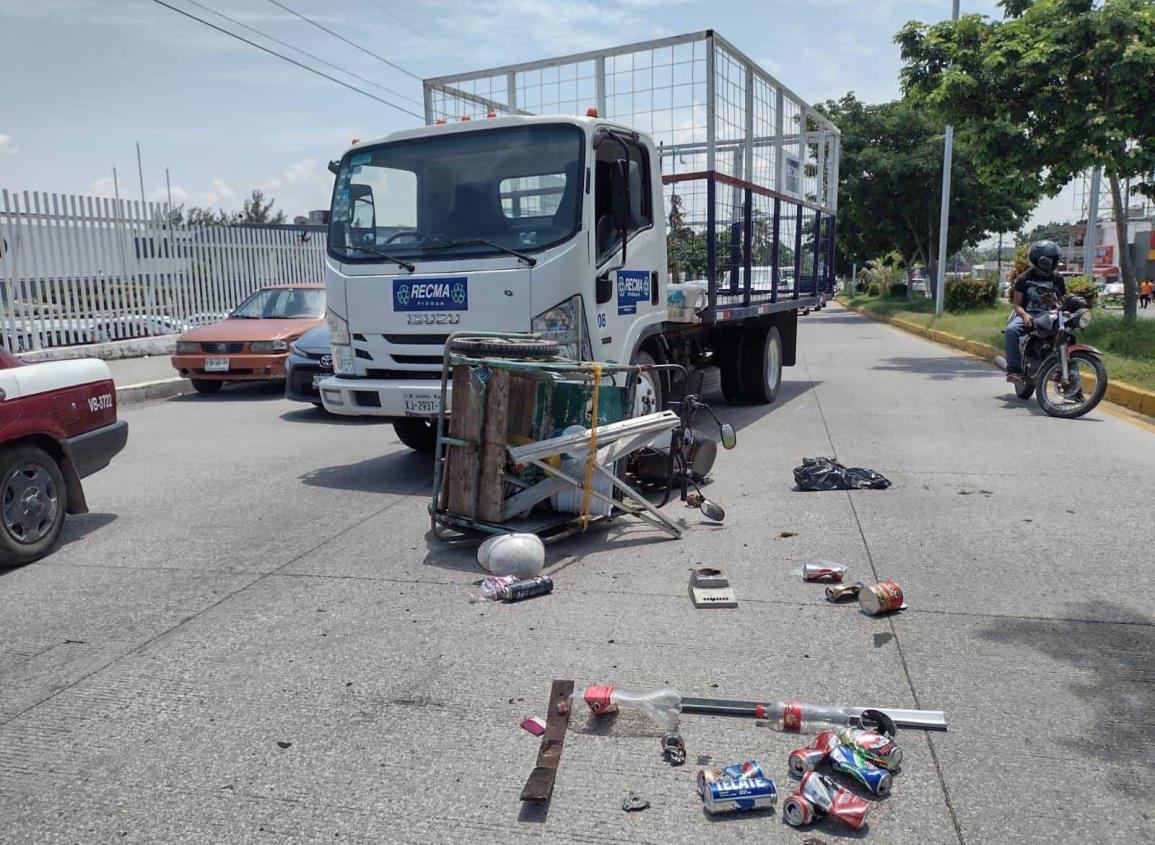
{"x":1092,"y":232}
{"x":927,"y":719}
{"x":944,"y":212}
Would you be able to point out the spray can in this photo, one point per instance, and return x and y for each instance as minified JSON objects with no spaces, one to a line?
{"x":527,"y":589}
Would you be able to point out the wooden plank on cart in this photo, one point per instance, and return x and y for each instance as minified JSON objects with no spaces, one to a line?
{"x":462,"y":462}
{"x":492,"y":466}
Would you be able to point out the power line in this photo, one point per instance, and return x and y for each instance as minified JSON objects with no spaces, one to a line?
{"x":404,"y":23}
{"x":301,"y":65}
{"x":325,"y":62}
{"x":338,"y":35}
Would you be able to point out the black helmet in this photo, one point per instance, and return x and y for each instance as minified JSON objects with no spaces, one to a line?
{"x":1044,"y":256}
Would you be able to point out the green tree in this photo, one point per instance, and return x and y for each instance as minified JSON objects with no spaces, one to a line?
{"x":196,"y":216}
{"x":1060,"y":233}
{"x":258,"y":210}
{"x":1057,"y":87}
{"x":890,"y":178}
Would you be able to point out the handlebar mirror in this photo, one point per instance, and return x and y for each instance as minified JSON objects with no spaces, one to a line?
{"x":712,"y":510}
{"x":729,"y":437}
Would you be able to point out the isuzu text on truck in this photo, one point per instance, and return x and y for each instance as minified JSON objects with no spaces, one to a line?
{"x":686,"y":214}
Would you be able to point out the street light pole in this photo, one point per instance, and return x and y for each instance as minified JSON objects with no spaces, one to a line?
{"x":1092,"y":224}
{"x":944,"y":214}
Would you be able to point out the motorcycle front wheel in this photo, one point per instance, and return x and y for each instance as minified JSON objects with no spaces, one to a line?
{"x":1082,"y":391}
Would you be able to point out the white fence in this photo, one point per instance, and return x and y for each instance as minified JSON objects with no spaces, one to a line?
{"x":79,"y":269}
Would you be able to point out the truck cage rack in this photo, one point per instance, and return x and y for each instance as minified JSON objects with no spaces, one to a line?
{"x":749,"y":169}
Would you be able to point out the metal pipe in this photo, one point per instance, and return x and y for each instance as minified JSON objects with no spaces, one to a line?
{"x":926,"y":719}
{"x":944,"y":212}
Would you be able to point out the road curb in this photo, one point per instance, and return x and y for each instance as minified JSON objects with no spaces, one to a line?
{"x":1118,"y":392}
{"x":161,"y":389}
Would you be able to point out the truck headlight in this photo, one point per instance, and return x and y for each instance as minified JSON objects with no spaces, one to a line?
{"x":187,"y":347}
{"x":565,"y":324}
{"x":338,"y":328}
{"x":268,"y":346}
{"x":342,"y":359}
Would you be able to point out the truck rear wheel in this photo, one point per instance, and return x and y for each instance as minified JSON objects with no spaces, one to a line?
{"x":33,"y":500}
{"x":761,"y":365}
{"x":418,"y":433}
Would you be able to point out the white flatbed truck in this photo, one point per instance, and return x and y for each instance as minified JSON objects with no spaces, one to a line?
{"x":664,"y":201}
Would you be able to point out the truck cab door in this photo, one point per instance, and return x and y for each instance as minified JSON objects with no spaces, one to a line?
{"x":629,"y":250}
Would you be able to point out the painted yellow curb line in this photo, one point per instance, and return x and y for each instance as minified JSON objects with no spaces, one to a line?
{"x":1132,"y":398}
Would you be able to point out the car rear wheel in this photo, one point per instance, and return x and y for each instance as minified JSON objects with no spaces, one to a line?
{"x":204,"y":385}
{"x":33,"y":501}
{"x":418,"y":433}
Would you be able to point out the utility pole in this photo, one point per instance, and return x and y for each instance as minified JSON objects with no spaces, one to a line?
{"x":944,"y":215}
{"x":140,"y":176}
{"x":1000,"y":266}
{"x":1092,"y":224}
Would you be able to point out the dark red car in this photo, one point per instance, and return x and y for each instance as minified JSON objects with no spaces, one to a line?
{"x":57,"y":425}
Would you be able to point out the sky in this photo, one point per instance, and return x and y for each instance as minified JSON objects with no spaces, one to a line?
{"x":85,"y":80}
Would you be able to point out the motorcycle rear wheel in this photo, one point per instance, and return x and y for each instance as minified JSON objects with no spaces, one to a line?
{"x":1069,"y":401}
{"x":1025,"y":390}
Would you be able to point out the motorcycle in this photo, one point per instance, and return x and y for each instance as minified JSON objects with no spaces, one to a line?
{"x":1068,"y":378}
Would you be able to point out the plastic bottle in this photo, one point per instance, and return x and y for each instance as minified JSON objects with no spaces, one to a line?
{"x":796,"y":716}
{"x":662,"y":706}
{"x":492,"y":588}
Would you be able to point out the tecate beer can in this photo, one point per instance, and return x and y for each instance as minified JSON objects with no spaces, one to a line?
{"x":737,"y":771}
{"x":527,"y":589}
{"x":878,"y":749}
{"x":850,"y":760}
{"x":880,"y":598}
{"x":730,"y":796}
{"x":838,"y":592}
{"x":802,"y":760}
{"x":820,"y":570}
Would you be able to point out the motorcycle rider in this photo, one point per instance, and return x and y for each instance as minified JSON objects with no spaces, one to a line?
{"x":1031,"y":291}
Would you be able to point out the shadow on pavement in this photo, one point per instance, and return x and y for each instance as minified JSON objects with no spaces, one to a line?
{"x":946,"y":368}
{"x":312,"y":414}
{"x":76,"y":527}
{"x":406,"y":473}
{"x":1114,"y":655}
{"x":1030,"y":406}
{"x":241,"y":391}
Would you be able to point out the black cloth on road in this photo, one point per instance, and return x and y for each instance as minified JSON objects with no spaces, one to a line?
{"x":828,"y":474}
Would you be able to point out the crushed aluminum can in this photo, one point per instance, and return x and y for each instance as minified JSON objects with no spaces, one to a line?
{"x":880,"y":750}
{"x":819,"y":570}
{"x":826,"y":796}
{"x":837,"y":592}
{"x":851,"y":761}
{"x":738,"y":771}
{"x":802,"y":760}
{"x":797,"y":811}
{"x":725,"y":796}
{"x":881,"y":598}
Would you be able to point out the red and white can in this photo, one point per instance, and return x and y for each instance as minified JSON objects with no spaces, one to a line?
{"x":820,"y":570}
{"x":881,"y":598}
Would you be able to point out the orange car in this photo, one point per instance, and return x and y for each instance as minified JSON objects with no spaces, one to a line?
{"x":252,"y":342}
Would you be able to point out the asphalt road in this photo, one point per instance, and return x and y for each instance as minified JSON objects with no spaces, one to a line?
{"x":253,"y":638}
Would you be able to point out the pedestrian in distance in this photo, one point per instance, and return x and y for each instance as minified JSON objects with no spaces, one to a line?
{"x":1031,"y":293}
{"x":1146,"y":289}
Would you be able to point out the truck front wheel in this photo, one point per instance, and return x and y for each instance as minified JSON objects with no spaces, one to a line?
{"x":418,"y":433}
{"x":761,"y":365}
{"x":33,"y":501}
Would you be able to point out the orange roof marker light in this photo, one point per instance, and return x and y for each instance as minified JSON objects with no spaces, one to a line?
{"x":465,"y":118}
{"x":592,"y":111}
{"x":354,"y":142}
{"x":439,"y":121}
{"x":491,"y":113}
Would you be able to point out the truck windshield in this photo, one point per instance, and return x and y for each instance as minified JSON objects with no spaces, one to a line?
{"x":463,"y":193}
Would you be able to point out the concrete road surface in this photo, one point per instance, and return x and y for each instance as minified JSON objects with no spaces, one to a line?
{"x":253,"y":638}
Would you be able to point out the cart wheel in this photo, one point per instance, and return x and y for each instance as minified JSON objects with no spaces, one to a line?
{"x":496,"y":347}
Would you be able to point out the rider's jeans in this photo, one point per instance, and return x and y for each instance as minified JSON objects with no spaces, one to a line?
{"x":1015,"y":329}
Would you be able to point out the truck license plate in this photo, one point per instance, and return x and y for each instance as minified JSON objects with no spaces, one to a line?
{"x":216,"y":365}
{"x":422,"y":404}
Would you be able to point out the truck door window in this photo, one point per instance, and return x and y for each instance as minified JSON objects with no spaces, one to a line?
{"x":379,"y":204}
{"x":641,"y":215}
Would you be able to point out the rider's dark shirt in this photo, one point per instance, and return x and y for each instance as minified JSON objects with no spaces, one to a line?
{"x":1034,"y":285}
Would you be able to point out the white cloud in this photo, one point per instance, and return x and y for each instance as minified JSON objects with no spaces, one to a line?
{"x":6,"y":146}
